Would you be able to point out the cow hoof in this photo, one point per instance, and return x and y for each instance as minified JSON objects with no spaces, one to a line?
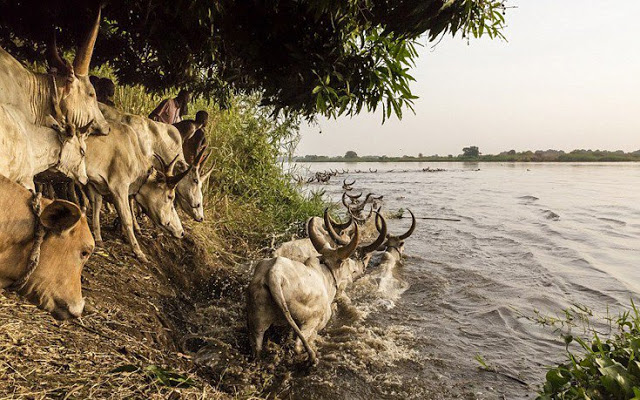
{"x":99,"y":242}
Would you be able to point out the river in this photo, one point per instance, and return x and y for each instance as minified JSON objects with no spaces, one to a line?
{"x":533,"y":240}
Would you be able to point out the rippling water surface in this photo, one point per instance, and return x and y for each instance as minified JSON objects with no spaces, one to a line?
{"x":532,"y":237}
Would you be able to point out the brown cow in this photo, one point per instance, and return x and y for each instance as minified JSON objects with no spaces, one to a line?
{"x":54,"y":285}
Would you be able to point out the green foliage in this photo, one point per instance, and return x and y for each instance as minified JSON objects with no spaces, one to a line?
{"x":305,"y":57}
{"x":350,"y":154}
{"x":471,"y":152}
{"x":608,"y":369}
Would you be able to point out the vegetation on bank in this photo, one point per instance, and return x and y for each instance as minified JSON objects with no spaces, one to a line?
{"x":608,"y":368}
{"x":470,"y":154}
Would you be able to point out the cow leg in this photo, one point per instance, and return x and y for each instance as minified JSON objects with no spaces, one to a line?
{"x":308,"y":331}
{"x":71,"y":193}
{"x":132,"y":204}
{"x":51,"y":191}
{"x":121,"y":201}
{"x":96,"y":205}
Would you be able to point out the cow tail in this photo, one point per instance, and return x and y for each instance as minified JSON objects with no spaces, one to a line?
{"x":275,"y":287}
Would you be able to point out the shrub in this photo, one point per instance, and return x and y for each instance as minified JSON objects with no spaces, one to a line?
{"x":608,"y":369}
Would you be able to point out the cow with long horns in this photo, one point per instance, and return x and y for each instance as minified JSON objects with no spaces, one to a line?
{"x":286,"y":292}
{"x":300,"y":294}
{"x":64,"y":95}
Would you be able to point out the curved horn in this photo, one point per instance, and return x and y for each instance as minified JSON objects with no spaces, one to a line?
{"x":411,"y":229}
{"x":344,"y":225}
{"x":329,"y":226}
{"x":355,"y":196}
{"x":172,"y":181}
{"x":197,"y":160}
{"x":378,"y":227}
{"x":381,"y":237}
{"x":344,"y":182}
{"x":55,"y":60}
{"x":346,"y":251}
{"x":85,"y":50}
{"x":318,"y":243}
{"x":172,"y":165}
{"x":163,"y":165}
{"x":344,"y":201}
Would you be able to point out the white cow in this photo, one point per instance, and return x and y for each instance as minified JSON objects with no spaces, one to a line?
{"x":27,"y":149}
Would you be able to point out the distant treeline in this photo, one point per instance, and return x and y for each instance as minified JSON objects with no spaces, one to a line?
{"x":505,"y":156}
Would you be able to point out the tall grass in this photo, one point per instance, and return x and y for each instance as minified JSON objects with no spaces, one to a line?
{"x":251,"y":202}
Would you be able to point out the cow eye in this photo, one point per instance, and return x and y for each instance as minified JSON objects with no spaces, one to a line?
{"x":92,"y":94}
{"x":195,"y":181}
{"x":82,"y":152}
{"x":85,"y":253}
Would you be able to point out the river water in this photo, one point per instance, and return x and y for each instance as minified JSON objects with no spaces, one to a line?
{"x":534,"y":239}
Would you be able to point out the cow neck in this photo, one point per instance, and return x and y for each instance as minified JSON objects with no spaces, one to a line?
{"x":333,"y":275}
{"x":144,"y":182}
{"x":48,"y":145}
{"x":43,"y":96}
{"x":34,"y":254}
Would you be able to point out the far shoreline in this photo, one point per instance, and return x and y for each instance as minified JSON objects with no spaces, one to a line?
{"x":459,"y":160}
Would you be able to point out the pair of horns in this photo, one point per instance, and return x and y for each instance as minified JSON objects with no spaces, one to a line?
{"x":407,"y":233}
{"x":344,"y":182}
{"x":322,"y":246}
{"x":363,"y":250}
{"x":167,"y":171}
{"x":83,"y":55}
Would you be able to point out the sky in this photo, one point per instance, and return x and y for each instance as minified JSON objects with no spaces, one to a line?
{"x":568,"y":78}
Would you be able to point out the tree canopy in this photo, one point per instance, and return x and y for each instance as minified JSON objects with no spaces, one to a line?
{"x":303,"y":56}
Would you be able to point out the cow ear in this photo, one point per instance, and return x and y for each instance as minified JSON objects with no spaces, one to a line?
{"x":60,"y":216}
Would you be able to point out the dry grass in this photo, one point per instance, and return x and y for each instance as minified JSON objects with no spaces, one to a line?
{"x":133,"y":318}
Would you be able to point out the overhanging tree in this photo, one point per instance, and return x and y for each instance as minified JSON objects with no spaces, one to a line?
{"x":304,"y":56}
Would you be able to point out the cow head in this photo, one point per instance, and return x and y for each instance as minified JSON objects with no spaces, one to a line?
{"x":55,"y":283}
{"x":337,"y":260}
{"x":157,"y":197}
{"x":189,"y":189}
{"x":72,"y":153}
{"x":76,"y":97}
{"x":393,"y":242}
{"x":363,"y":253}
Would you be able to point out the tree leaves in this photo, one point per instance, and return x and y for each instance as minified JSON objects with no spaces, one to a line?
{"x":305,"y":57}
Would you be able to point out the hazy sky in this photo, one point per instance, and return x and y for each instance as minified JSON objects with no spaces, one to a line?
{"x":568,"y":77}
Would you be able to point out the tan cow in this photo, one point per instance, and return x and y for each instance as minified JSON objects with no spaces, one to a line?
{"x":119,"y":166}
{"x":64,"y":92}
{"x":27,"y":149}
{"x":54,"y":285}
{"x":165,"y":141}
{"x":287,"y":292}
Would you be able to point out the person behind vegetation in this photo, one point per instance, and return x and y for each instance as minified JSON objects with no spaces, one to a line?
{"x":171,"y":111}
{"x":192,"y":132}
{"x":105,"y":90}
{"x":188,"y":127}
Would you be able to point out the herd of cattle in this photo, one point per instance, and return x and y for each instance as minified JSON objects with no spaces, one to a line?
{"x":52,"y":128}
